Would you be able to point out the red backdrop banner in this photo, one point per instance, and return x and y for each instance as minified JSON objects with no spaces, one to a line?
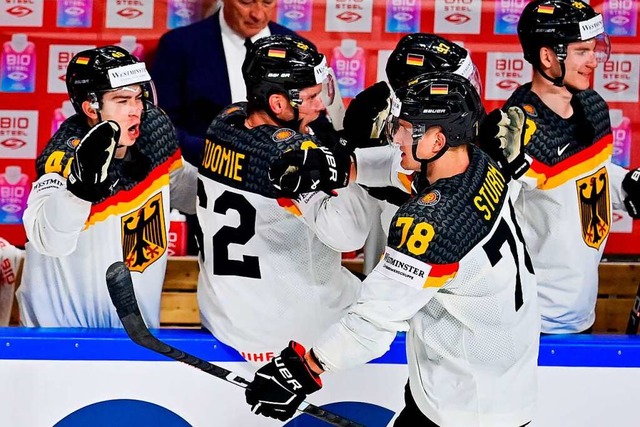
{"x":39,"y":37}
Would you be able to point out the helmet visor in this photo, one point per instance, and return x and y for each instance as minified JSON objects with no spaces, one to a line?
{"x":332,"y":99}
{"x":593,"y":28}
{"x":401,"y":132}
{"x":469,"y":71}
{"x":603,"y":48}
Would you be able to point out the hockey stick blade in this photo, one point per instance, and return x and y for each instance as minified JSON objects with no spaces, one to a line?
{"x":123,"y":297}
{"x":634,"y":315}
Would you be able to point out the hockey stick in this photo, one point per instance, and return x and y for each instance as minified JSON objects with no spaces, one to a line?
{"x":634,"y":316}
{"x":123,"y":298}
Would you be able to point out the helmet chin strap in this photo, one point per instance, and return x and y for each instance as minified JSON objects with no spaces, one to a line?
{"x":424,"y":163}
{"x":560,"y":55}
{"x":291,"y":124}
{"x":557,"y":81}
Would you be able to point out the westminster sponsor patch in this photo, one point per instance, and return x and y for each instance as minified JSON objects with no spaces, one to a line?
{"x":403,"y":268}
{"x":128,"y":75}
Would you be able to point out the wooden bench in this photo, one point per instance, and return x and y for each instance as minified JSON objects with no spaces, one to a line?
{"x":179,"y":306}
{"x":618,"y":286}
{"x":179,"y":302}
{"x":619,"y":283}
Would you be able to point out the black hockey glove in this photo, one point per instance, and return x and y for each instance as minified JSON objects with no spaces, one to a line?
{"x":93,"y":155}
{"x":501,"y":136}
{"x":314,"y":169}
{"x":366,"y":115}
{"x":324,"y":131}
{"x":631,"y":186}
{"x":282,"y":384}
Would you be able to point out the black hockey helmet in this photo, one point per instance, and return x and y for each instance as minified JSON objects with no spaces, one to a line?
{"x":555,"y":24}
{"x":440,"y":99}
{"x":421,"y":53}
{"x":95,"y":71}
{"x":281,"y":64}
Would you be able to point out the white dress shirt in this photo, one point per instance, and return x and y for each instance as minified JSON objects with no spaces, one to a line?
{"x":234,"y":52}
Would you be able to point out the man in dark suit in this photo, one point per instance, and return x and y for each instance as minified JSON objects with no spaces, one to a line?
{"x":197,"y":68}
{"x":197,"y":72}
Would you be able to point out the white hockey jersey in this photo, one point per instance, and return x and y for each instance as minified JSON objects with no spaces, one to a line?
{"x":456,"y":276}
{"x":265,"y":276}
{"x":565,"y":204}
{"x":72,"y":242}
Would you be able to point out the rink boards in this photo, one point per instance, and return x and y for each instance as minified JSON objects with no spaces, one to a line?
{"x":79,"y":377}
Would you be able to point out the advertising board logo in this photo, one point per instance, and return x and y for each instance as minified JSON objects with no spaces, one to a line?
{"x":18,"y":131}
{"x":122,"y":412}
{"x":348,"y":17}
{"x":511,"y":18}
{"x":19,"y":11}
{"x":22,"y":13}
{"x":12,"y":129}
{"x":184,"y":13}
{"x":616,"y":86}
{"x":506,"y":71}
{"x":457,"y":18}
{"x":294,"y":14}
{"x":13,"y":143}
{"x":343,"y":15}
{"x":620,"y":20}
{"x":617,"y":79}
{"x":508,"y":84}
{"x":74,"y":11}
{"x":129,"y":12}
{"x":403,"y":16}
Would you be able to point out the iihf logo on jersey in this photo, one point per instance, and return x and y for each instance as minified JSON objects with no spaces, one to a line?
{"x":144,"y":237}
{"x":430,"y":199}
{"x":593,"y":203}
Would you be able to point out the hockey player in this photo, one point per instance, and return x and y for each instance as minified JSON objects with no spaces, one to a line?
{"x":377,"y":167}
{"x":106,"y":180}
{"x":567,"y":194}
{"x":455,"y":274}
{"x":266,"y":273}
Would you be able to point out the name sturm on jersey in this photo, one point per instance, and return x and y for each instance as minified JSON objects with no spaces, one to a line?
{"x":487,"y":197}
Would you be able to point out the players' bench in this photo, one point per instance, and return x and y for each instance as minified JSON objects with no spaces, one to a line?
{"x":618,"y":286}
{"x":617,"y":291}
{"x":179,"y":303}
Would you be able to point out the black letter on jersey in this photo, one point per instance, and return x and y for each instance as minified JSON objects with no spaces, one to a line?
{"x":222,"y":265}
{"x":492,"y":249}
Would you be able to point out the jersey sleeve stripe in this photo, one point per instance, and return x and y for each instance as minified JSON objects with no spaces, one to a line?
{"x":440,"y":274}
{"x":126,"y":200}
{"x":549,"y":177}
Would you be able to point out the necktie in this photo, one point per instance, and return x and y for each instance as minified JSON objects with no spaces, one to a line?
{"x":248,"y":44}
